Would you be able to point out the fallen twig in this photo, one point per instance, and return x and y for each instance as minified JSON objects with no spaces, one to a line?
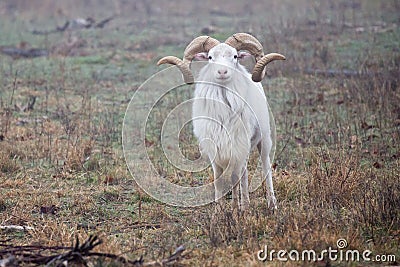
{"x":15,"y":227}
{"x":174,"y":257}
{"x":26,"y":53}
{"x":102,"y":23}
{"x":137,"y":225}
{"x":57,"y":29}
{"x":58,"y":255}
{"x":78,"y":23}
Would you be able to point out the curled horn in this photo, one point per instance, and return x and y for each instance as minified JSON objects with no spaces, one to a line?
{"x":258,"y":70}
{"x":199,"y":44}
{"x":245,"y":41}
{"x":183,"y":67}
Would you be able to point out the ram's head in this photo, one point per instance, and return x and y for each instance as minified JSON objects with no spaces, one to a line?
{"x":206,"y":48}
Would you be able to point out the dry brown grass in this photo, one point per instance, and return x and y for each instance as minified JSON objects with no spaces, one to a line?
{"x":337,"y":164}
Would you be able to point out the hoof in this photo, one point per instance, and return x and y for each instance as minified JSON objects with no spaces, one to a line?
{"x":271,"y":202}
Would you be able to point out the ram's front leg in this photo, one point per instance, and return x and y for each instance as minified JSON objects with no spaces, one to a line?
{"x":240,"y":189}
{"x":235,"y":191}
{"x":218,"y":183}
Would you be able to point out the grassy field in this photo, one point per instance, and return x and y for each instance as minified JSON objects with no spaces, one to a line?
{"x":336,"y":103}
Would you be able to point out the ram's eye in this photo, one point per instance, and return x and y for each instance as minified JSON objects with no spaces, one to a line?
{"x":209,"y":57}
{"x":235,"y":56}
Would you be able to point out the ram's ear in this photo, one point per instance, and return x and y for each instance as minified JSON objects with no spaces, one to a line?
{"x":201,"y":56}
{"x":243,"y":54}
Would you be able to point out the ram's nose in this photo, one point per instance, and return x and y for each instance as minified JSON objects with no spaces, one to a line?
{"x":222,"y":71}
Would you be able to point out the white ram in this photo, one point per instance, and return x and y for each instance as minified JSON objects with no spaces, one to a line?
{"x":230,"y":111}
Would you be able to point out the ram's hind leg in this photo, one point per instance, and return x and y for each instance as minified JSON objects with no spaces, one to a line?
{"x":271,"y":199}
{"x":264,"y":149}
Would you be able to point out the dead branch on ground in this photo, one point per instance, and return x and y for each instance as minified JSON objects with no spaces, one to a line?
{"x":36,"y":255}
{"x":74,"y":24}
